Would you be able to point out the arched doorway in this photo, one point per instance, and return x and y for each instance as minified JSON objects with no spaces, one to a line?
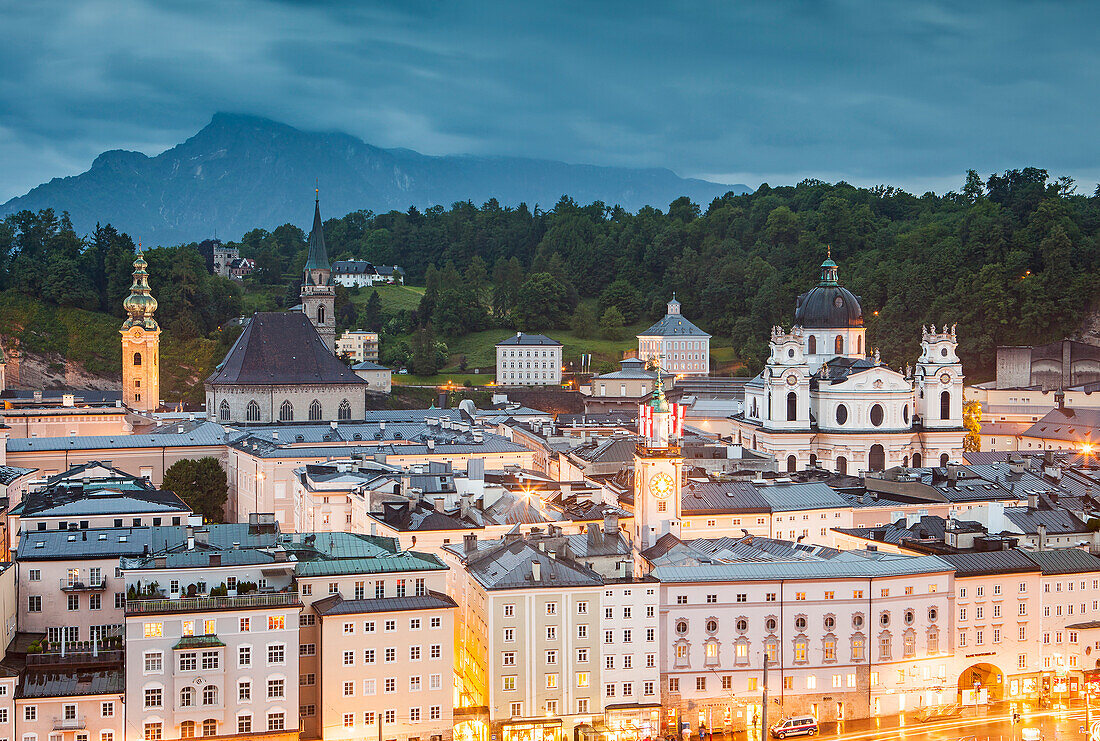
{"x":841,"y":465}
{"x":876,"y":459}
{"x":792,"y":464}
{"x":943,"y":460}
{"x":984,"y":678}
{"x":916,"y":460}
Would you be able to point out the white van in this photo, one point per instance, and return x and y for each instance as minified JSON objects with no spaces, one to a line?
{"x":799,"y":725}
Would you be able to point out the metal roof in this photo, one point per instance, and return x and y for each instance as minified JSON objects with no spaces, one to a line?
{"x":990,"y":562}
{"x":795,"y":497}
{"x":529,"y":339}
{"x":204,"y":434}
{"x":673,"y":325}
{"x":712,"y":497}
{"x":408,"y":561}
{"x":71,"y":684}
{"x":1065,"y":561}
{"x":863,"y":568}
{"x":429,"y":601}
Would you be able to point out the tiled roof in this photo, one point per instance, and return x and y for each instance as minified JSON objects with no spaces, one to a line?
{"x":281,"y":348}
{"x":340,"y":606}
{"x":529,"y":339}
{"x":9,"y":474}
{"x":1073,"y":425}
{"x":508,"y":565}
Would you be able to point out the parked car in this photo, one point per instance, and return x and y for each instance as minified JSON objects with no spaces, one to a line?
{"x":1031,"y":734}
{"x":799,"y":725}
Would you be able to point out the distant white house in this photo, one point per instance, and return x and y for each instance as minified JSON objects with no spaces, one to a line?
{"x":358,"y":346}
{"x":529,"y":360}
{"x":679,"y":346}
{"x":377,"y":376}
{"x":358,"y":273}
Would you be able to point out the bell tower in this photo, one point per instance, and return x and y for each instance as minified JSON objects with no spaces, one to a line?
{"x":318,"y":293}
{"x":657,"y":466}
{"x":140,"y":344}
{"x":938,"y":379}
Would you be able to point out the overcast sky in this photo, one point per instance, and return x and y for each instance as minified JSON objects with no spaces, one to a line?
{"x":739,"y":91}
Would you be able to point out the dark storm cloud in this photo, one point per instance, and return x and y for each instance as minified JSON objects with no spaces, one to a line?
{"x":910,"y":93}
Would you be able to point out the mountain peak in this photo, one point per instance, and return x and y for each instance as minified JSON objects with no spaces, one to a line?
{"x":243,"y":171}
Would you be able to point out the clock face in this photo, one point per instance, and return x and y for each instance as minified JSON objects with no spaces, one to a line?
{"x":792,"y":380}
{"x":662,"y":485}
{"x":945,"y":378}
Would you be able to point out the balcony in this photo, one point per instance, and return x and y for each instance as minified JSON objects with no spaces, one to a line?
{"x":202,"y":604}
{"x":70,"y":723}
{"x":81,"y":585}
{"x":73,"y":660}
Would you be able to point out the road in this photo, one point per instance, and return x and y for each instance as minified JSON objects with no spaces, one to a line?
{"x":992,"y":726}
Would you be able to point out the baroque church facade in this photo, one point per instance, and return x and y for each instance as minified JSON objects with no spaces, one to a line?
{"x":821,"y":400}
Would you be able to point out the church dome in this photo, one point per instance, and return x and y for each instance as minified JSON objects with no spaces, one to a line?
{"x":828,"y":305}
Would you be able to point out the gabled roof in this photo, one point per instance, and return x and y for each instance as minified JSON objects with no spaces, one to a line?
{"x":278,"y":349}
{"x":352,"y":267}
{"x":990,"y":562}
{"x":1073,"y":425}
{"x":508,"y":565}
{"x":367,"y":365}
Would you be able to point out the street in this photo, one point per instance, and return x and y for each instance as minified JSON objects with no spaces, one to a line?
{"x":1054,"y":725}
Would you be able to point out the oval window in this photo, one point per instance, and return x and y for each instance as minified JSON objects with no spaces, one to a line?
{"x":742,"y":625}
{"x":884,"y":619}
{"x":943,"y":351}
{"x":933,"y":614}
{"x":681,"y":626}
{"x":841,"y":414}
{"x":830,"y":623}
{"x":712,"y":626}
{"x":800,"y":623}
{"x":905,"y":414}
{"x":790,"y":353}
{"x":857,"y":622}
{"x":770,"y":624}
{"x":909,"y":617}
{"x":876,"y":415}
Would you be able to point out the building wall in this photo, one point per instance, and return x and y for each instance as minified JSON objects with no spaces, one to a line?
{"x":68,"y":608}
{"x":62,"y":423}
{"x":529,"y":365}
{"x":688,"y":356}
{"x":265,"y":627}
{"x":359,"y":346}
{"x":101,"y":717}
{"x":141,"y":383}
{"x":270,"y":400}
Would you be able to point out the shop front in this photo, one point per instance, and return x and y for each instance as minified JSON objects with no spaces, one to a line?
{"x":533,"y":730}
{"x":632,"y":722}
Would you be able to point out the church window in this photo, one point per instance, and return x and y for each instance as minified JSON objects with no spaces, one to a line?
{"x":841,"y":414}
{"x":876,"y":458}
{"x":813,"y":460}
{"x":839,"y":345}
{"x":916,"y":460}
{"x":841,"y":465}
{"x":321,"y":314}
{"x":945,"y":405}
{"x":792,"y":464}
{"x":876,"y":415}
{"x":137,"y":358}
{"x":943,"y":460}
{"x":286,"y":412}
{"x":792,"y":406}
{"x":315,"y":411}
{"x":223,"y":411}
{"x":813,"y":345}
{"x":252,"y":412}
{"x":905,"y":414}
{"x":345,"y":410}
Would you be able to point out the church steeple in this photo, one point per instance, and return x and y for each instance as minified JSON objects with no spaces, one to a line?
{"x":140,"y":344}
{"x":318,"y":255}
{"x":829,"y":270}
{"x":318,"y":293}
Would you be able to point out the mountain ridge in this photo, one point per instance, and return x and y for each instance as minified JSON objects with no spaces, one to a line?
{"x":242,"y":171}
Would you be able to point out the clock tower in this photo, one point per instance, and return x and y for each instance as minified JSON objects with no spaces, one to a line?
{"x":140,"y":344}
{"x":657,"y":467}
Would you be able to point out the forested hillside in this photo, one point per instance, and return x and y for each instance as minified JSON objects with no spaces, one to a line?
{"x":1013,"y":259}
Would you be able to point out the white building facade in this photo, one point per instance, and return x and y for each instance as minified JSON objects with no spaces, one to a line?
{"x":529,"y":360}
{"x":677,"y":345}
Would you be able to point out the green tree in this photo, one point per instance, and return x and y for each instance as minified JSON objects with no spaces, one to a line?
{"x":372,"y":313}
{"x":584,"y":322}
{"x":622,"y":295}
{"x":543,"y":303}
{"x":611,"y":324}
{"x":202,"y":484}
{"x":423,"y":358}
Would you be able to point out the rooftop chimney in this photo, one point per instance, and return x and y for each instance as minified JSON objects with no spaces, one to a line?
{"x":536,"y":571}
{"x":469,"y":542}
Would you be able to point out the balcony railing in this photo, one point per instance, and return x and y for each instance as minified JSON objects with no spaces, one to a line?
{"x":199,"y":604}
{"x":73,"y":723}
{"x":81,"y":585}
{"x":75,"y":658}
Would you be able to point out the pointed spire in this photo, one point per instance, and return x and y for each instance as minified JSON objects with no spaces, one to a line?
{"x":140,"y":304}
{"x":318,"y":256}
